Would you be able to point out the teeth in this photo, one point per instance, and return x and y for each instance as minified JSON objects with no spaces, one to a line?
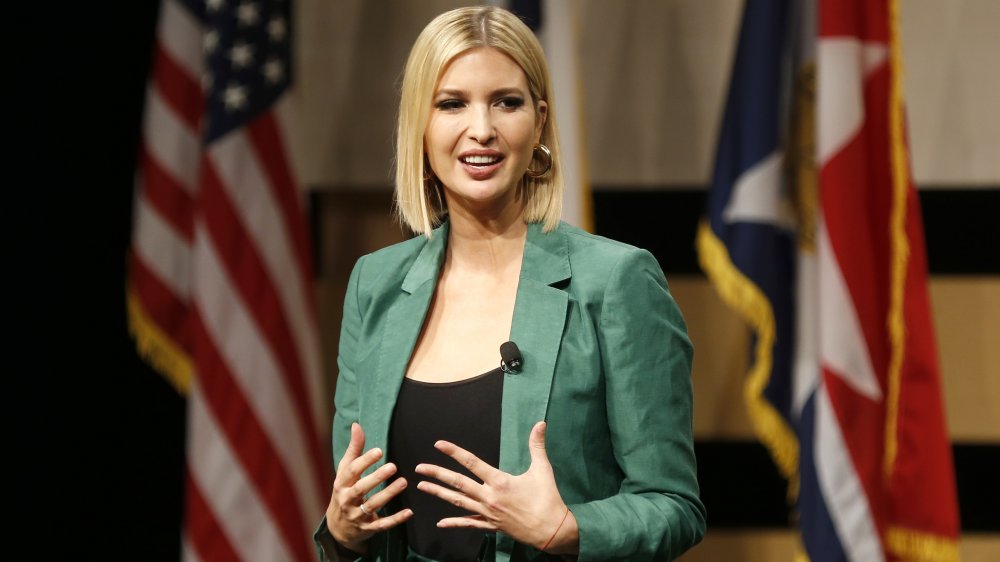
{"x":480,"y":160}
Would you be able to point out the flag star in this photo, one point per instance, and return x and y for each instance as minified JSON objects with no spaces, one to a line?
{"x":215,"y":5}
{"x":234,"y":97}
{"x":210,"y":41}
{"x":248,"y":13}
{"x":274,"y":71}
{"x":241,"y":54}
{"x":277,"y":29}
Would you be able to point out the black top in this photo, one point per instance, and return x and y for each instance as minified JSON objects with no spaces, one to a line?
{"x":466,"y":413}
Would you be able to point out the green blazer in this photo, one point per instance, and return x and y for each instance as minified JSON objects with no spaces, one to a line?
{"x":607,"y":364}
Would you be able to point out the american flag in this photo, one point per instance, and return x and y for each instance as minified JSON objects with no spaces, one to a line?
{"x":814,"y":234}
{"x":220,"y":295}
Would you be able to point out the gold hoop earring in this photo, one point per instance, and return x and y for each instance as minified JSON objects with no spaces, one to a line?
{"x":547,"y":154}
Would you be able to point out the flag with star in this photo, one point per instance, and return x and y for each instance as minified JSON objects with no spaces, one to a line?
{"x":220,"y":295}
{"x":813,"y":234}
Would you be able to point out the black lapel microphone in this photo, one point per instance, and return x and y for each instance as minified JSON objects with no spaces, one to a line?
{"x":510,"y":358}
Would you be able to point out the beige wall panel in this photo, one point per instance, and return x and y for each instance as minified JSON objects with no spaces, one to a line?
{"x":967,"y":318}
{"x":951,"y":80}
{"x":720,"y":341}
{"x":655,"y":74}
{"x":781,"y":546}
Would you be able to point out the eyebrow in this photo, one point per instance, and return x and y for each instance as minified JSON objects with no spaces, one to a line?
{"x":462,"y":93}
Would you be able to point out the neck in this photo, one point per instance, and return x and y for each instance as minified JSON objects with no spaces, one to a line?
{"x":490,"y":245}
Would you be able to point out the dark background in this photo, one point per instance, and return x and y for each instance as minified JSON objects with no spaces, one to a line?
{"x":99,"y":437}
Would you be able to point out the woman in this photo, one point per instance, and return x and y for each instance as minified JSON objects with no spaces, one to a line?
{"x":584,"y":451}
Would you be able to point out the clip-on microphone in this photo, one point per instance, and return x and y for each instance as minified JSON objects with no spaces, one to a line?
{"x":510,"y":358}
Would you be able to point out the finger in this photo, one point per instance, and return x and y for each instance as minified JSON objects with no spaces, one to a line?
{"x":459,"y":482}
{"x":354,"y":447}
{"x":470,"y":522}
{"x":384,"y":496}
{"x":364,"y":485}
{"x":349,"y":474}
{"x":471,"y":462}
{"x":456,"y":499}
{"x":357,"y":444}
{"x":536,"y":444}
{"x":388,"y":522}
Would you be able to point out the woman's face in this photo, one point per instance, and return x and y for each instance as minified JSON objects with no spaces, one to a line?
{"x":482,"y":129}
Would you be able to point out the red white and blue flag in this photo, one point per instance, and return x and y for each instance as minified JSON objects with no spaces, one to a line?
{"x":220,"y":293}
{"x":814,"y":235}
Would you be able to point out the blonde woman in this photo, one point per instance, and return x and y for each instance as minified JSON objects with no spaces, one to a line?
{"x":580,"y":444}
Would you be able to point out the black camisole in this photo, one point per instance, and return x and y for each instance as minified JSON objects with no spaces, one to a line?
{"x":466,"y":413}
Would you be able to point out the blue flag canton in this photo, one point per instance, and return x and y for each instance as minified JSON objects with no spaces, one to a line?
{"x":247,"y":49}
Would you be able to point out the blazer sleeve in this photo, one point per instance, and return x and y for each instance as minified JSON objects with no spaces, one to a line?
{"x":345,"y":402}
{"x":646,"y":356}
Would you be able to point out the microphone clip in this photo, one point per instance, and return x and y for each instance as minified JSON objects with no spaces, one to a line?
{"x":510,"y":358}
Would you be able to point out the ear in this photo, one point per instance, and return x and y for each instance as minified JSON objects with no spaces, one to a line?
{"x":541,"y":114}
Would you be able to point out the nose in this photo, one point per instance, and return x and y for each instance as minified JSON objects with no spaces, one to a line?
{"x":481,"y":125}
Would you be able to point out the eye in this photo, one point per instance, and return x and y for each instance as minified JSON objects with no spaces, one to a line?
{"x":449,"y":104}
{"x":510,"y":102}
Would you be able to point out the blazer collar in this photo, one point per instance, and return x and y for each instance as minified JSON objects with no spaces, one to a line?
{"x":428,"y":263}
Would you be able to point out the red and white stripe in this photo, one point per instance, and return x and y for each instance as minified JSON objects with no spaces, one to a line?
{"x":221,"y":266}
{"x":858,"y":256}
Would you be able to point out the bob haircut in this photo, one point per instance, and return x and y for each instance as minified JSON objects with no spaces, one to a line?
{"x":420,"y":203}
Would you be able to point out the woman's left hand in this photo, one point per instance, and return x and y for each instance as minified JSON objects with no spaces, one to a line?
{"x":527,"y":507}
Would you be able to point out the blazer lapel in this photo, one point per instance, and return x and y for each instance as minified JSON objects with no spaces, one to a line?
{"x":539,"y":318}
{"x":402,"y":328}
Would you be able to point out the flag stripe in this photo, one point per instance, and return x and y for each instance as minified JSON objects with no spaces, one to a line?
{"x":205,"y":536}
{"x":232,"y":494}
{"x":264,"y":135}
{"x":172,"y":143}
{"x":838,"y":479}
{"x":250,"y":359}
{"x":180,"y":34}
{"x":291,"y":271}
{"x":253,"y":280}
{"x":166,"y":195}
{"x":157,"y":298}
{"x":162,"y":249}
{"x":179,"y":89}
{"x":250,"y":444}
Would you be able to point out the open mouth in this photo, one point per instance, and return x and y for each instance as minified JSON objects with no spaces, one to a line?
{"x":481,"y":160}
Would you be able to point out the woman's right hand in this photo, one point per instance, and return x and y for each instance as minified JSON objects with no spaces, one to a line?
{"x":349,"y":524}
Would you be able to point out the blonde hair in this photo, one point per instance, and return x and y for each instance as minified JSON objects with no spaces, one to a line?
{"x":421,"y":206}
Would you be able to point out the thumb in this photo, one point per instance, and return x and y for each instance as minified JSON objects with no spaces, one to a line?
{"x":536,"y":444}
